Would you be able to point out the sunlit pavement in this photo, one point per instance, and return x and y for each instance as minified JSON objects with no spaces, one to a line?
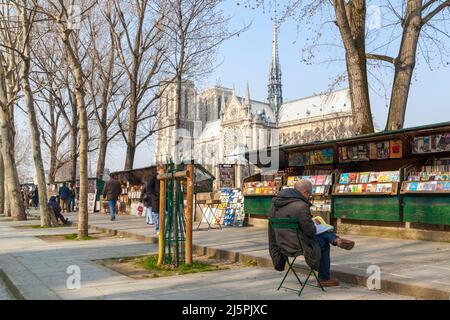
{"x":38,"y":269}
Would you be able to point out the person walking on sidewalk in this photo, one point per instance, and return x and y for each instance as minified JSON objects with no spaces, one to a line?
{"x":64,"y":196}
{"x":111,"y":193}
{"x":295,"y":203}
{"x":150,"y":200}
{"x":36,"y":197}
{"x":72,"y":198}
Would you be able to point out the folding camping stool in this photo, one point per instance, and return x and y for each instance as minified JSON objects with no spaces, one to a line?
{"x":292,"y":224}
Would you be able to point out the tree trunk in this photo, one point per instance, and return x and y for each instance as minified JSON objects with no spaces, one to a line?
{"x":14,"y":195}
{"x":359,"y":92}
{"x":34,"y":126}
{"x":52,"y":169}
{"x":2,"y":184}
{"x":84,"y":138}
{"x":74,"y":143}
{"x":7,"y":205}
{"x":351,"y":19}
{"x":131,"y":150}
{"x":132,"y":131}
{"x":404,"y":66}
{"x":84,"y":134}
{"x":103,"y":145}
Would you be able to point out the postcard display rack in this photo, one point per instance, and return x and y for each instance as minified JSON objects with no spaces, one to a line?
{"x":258,"y":196}
{"x":322,"y":186}
{"x":232,"y":207}
{"x":426,"y":190}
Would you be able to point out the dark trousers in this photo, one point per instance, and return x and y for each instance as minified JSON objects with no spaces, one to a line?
{"x":60,"y":217}
{"x":324,"y":240}
{"x":71,"y":204}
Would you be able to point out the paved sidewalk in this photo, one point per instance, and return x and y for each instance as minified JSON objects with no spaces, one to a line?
{"x":4,"y":293}
{"x":38,"y":270}
{"x":414,"y":268}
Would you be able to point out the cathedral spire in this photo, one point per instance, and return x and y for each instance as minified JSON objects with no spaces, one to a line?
{"x":247,"y":98}
{"x":275,"y":92}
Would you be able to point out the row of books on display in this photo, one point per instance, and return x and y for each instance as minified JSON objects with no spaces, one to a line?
{"x":429,"y":176}
{"x":429,"y":186}
{"x":317,"y":190}
{"x":437,"y":165}
{"x":364,"y":188}
{"x":322,"y":180}
{"x":261,"y":188}
{"x":369,"y":177}
{"x":433,"y":143}
{"x":392,"y":149}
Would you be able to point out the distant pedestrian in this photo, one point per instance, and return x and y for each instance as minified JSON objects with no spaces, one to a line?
{"x":150,"y":200}
{"x":54,"y":205}
{"x":111,"y":193}
{"x":36,"y":198}
{"x":64,"y":196}
{"x":26,"y":197}
{"x":72,"y":198}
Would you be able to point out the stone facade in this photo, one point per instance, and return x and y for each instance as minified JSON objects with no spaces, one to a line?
{"x":218,"y":127}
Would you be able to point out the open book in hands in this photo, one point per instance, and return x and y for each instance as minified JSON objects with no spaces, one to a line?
{"x":321,"y":225}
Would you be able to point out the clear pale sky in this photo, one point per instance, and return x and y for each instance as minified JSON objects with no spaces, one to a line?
{"x":247,"y":58}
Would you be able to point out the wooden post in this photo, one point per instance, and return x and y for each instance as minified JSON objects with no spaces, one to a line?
{"x":188,"y":211}
{"x":162,"y":216}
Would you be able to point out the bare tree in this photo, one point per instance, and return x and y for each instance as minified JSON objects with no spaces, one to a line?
{"x":50,"y":83}
{"x":411,"y":27}
{"x":27,"y":17}
{"x":416,"y":19}
{"x":59,"y":13}
{"x":140,"y":46}
{"x":105,"y":81}
{"x":9,"y":89}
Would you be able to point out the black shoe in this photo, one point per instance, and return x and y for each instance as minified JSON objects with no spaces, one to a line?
{"x":66,"y":221}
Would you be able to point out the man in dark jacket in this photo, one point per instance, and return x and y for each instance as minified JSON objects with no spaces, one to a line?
{"x":111,"y":193}
{"x":295,"y":203}
{"x":150,"y":200}
{"x":64,"y":196}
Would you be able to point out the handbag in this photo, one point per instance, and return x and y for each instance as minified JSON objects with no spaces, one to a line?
{"x":140,"y":210}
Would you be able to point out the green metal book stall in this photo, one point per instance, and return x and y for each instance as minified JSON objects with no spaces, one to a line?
{"x":387,"y":177}
{"x":259,"y":191}
{"x":426,"y":188}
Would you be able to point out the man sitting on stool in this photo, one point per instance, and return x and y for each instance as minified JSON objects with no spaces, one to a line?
{"x":295,"y":203}
{"x":53,"y":204}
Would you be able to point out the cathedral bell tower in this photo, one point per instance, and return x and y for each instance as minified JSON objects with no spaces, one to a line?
{"x":275,"y":92}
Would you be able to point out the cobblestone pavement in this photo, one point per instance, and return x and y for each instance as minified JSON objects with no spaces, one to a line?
{"x":38,"y":268}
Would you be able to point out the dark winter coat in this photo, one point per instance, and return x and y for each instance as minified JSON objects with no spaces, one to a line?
{"x":289,"y":203}
{"x":112,"y":190}
{"x":52,"y":203}
{"x":150,"y":194}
